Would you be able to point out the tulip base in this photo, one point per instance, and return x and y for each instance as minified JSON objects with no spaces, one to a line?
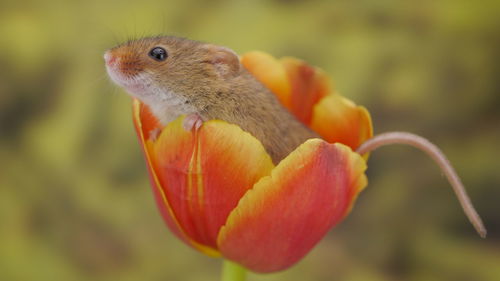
{"x":233,"y":272}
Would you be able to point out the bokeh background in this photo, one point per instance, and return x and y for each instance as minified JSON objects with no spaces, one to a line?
{"x":75,"y":202}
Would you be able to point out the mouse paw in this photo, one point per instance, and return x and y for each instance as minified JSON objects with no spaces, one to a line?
{"x":192,"y":121}
{"x":154,"y":134}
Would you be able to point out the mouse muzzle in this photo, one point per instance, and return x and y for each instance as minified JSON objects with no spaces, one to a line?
{"x":126,"y":70}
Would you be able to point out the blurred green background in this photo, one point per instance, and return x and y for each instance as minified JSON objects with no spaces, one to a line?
{"x":75,"y":202}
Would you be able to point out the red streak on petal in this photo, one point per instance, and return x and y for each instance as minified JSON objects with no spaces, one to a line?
{"x":149,"y":123}
{"x":307,"y":88}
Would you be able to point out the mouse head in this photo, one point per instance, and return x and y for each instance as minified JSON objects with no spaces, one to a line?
{"x":159,"y":68}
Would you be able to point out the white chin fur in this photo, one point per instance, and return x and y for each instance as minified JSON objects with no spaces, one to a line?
{"x":165,"y":104}
{"x":135,"y":85}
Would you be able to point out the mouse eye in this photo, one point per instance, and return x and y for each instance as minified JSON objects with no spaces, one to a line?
{"x":158,"y":53}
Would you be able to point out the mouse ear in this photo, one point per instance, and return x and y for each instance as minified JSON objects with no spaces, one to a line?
{"x":225,"y":61}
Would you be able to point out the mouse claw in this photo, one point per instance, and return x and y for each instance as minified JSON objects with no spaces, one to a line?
{"x":154,"y":134}
{"x":192,"y":121}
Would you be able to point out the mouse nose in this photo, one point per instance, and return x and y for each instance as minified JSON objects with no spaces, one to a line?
{"x":109,"y":58}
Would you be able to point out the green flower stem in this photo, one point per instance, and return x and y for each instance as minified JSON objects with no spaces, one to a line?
{"x":233,"y":272}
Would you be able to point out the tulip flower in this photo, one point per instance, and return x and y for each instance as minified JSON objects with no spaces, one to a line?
{"x":219,"y":192}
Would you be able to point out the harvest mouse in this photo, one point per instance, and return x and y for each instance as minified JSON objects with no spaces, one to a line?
{"x":176,"y":76}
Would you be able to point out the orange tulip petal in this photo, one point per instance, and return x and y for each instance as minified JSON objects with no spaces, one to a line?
{"x":270,"y":72}
{"x":204,"y":173}
{"x":297,"y":85}
{"x":338,"y":119}
{"x":308,"y":86}
{"x":144,"y":123}
{"x":277,"y":222}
